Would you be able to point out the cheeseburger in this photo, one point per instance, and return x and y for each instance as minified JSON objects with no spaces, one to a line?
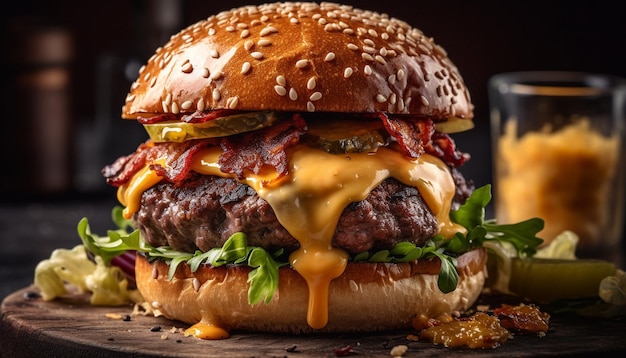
{"x":299,"y":173}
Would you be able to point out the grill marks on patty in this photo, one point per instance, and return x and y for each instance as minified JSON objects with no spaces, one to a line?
{"x":206,"y":210}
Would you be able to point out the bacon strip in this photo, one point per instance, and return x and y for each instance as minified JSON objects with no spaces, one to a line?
{"x":179,"y":158}
{"x":125,"y":167}
{"x":266,"y":147}
{"x":243,"y":153}
{"x":417,"y":137}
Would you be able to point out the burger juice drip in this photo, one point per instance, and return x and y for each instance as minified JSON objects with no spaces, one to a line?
{"x":310,"y":199}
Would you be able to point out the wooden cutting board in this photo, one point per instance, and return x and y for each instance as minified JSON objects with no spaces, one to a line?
{"x":31,"y":327}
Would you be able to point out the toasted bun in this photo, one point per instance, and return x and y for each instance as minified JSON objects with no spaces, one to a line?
{"x":300,"y":57}
{"x":366,"y":297}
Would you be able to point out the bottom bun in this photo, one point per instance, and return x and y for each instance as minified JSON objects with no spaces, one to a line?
{"x":366,"y":297}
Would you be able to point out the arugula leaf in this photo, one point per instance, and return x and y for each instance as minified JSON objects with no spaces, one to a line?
{"x":471,"y":215}
{"x":263,"y":278}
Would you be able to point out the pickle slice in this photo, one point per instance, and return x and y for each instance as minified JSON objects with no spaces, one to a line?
{"x":219,"y":127}
{"x":547,"y":280}
{"x":454,"y":125}
{"x":346,"y":135}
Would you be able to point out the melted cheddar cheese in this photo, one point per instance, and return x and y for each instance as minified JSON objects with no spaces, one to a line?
{"x":310,"y":199}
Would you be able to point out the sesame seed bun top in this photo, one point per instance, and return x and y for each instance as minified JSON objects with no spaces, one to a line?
{"x":300,"y":57}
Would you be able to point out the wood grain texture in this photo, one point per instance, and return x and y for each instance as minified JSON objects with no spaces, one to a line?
{"x":30,"y":327}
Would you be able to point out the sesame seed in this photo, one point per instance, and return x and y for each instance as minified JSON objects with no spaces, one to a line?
{"x":281,"y":80}
{"x":268,"y":30}
{"x":316,"y":96}
{"x":264,"y":42}
{"x":230,"y":29}
{"x":391,"y":79}
{"x":400,"y":74}
{"x":353,"y":286}
{"x":164,"y":106}
{"x":280,"y":90}
{"x":130,"y":97}
{"x":369,"y":42}
{"x":347,"y":72}
{"x":214,"y":53}
{"x":329,"y":57}
{"x":200,"y":104}
{"x":310,"y":106}
{"x":168,"y":99}
{"x":352,"y":46}
{"x":393,"y":98}
{"x":153,"y":81}
{"x":293,"y":95}
{"x":424,"y":100}
{"x":400,"y":105}
{"x":187,"y":67}
{"x":366,"y":56}
{"x":175,"y":108}
{"x":245,"y":68}
{"x":248,"y":45}
{"x":372,"y":32}
{"x":380,"y":98}
{"x":216,"y":94}
{"x":311,"y":83}
{"x":293,"y":20}
{"x":302,"y":63}
{"x":211,"y":31}
{"x":245,"y":33}
{"x":186,"y":105}
{"x":348,"y":31}
{"x":216,"y":75}
{"x":205,"y":72}
{"x":369,"y":49}
{"x":257,"y":55}
{"x":380,"y":59}
{"x":196,"y":284}
{"x":232,"y":102}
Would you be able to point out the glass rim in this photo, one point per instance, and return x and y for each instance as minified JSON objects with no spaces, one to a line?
{"x":556,"y":83}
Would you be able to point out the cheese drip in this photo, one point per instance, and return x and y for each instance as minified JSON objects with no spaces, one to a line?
{"x":310,"y":199}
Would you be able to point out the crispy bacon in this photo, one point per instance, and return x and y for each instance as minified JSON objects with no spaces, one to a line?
{"x":243,"y":153}
{"x":410,"y":138}
{"x":125,"y":167}
{"x":417,"y":137}
{"x":266,"y":147}
{"x":179,"y":157}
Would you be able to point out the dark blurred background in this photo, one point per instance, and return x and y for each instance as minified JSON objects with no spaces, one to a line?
{"x":67,"y":66}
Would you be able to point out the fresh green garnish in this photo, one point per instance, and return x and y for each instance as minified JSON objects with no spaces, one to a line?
{"x":263,"y":278}
{"x":470,"y":215}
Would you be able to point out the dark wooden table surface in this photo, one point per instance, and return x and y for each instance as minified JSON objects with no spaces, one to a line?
{"x":29,"y":231}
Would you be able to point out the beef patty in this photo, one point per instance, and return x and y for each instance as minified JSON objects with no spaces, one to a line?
{"x":206,"y":210}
